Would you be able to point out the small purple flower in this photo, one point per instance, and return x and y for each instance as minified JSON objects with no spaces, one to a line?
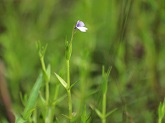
{"x":81,"y":26}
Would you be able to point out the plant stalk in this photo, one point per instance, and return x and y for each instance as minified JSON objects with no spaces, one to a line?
{"x":104,"y":108}
{"x":69,"y":90}
{"x":47,"y":82}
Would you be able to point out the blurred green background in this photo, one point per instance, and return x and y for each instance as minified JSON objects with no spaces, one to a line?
{"x":128,"y":35}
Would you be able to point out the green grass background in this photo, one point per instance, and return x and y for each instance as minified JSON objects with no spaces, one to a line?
{"x":128,"y":35}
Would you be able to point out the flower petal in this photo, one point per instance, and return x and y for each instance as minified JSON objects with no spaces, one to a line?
{"x":80,"y":24}
{"x":82,"y":29}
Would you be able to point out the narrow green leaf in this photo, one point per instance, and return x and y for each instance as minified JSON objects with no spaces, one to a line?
{"x":32,"y":98}
{"x":73,"y":84}
{"x":48,"y":71}
{"x":61,"y":81}
{"x":109,"y":113}
{"x":108,"y":72}
{"x":66,"y":116}
{"x":98,"y":113}
{"x":19,"y":120}
{"x":41,"y":49}
{"x":42,"y":99}
{"x":59,"y":99}
{"x":159,"y":109}
{"x":163,"y":107}
{"x":23,"y":99}
{"x":92,"y":92}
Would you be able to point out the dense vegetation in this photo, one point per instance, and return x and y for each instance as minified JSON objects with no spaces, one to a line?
{"x":127,"y":37}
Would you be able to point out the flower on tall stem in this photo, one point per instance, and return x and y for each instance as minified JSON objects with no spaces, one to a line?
{"x":81,"y":26}
{"x":68,"y":52}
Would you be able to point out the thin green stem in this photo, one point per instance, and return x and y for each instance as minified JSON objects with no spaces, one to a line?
{"x":46,"y":78}
{"x":48,"y":119}
{"x":42,"y":63}
{"x":47,"y":93}
{"x":47,"y":82}
{"x":68,"y":72}
{"x":35,"y":116}
{"x":69,"y":90}
{"x":69,"y":51}
{"x":104,"y":108}
{"x":70,"y":105}
{"x":73,"y":32}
